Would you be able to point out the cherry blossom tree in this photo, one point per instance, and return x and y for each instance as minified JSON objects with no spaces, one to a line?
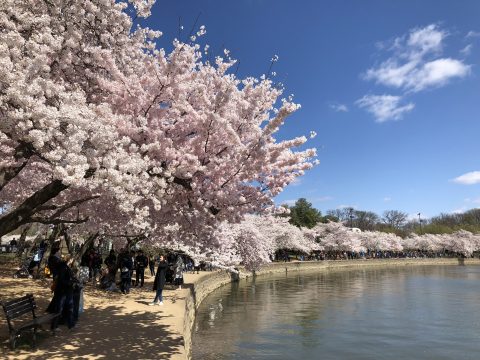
{"x":251,"y":243}
{"x":334,"y":236}
{"x":461,"y":242}
{"x":376,"y":240}
{"x":91,"y":105}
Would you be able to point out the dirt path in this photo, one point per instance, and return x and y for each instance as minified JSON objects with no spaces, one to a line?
{"x":112,"y":326}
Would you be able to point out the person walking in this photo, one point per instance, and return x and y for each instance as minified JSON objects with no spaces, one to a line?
{"x":96,"y":266}
{"x":134,"y":266}
{"x":159,"y":282}
{"x":141,"y":262}
{"x":179,"y":272}
{"x":151,"y":265}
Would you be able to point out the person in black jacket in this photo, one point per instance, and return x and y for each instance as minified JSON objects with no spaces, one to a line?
{"x":125,"y":264}
{"x":151,"y":265}
{"x":159,"y":282}
{"x":54,"y":260}
{"x":62,"y":302}
{"x":111,"y":262}
{"x":141,"y":262}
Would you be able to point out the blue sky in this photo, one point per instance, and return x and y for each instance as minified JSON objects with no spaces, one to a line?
{"x":391,"y":88}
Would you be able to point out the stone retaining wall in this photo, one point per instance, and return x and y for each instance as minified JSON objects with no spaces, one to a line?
{"x":198,"y":292}
{"x":216,"y":279}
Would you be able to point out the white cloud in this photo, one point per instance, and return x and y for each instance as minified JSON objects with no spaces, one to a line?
{"x":422,"y":41}
{"x":459,"y":210}
{"x":339,"y":107}
{"x":415,"y":64}
{"x":467,"y":50}
{"x":289,"y":202}
{"x":384,"y":107}
{"x":415,"y":76}
{"x":387,"y":199}
{"x":472,"y":34}
{"x":436,"y":73}
{"x":469,"y":178}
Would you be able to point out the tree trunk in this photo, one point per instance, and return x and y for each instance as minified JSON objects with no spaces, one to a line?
{"x":21,"y":241}
{"x":85,"y":246}
{"x":22,"y":214}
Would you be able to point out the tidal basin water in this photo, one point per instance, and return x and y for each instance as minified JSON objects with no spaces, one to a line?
{"x":427,"y":312}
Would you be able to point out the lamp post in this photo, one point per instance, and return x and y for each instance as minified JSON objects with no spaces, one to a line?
{"x":419,"y":222}
{"x":351,"y":218}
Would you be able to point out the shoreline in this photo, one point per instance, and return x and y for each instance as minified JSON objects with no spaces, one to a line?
{"x":114,"y":325}
{"x":208,"y":283}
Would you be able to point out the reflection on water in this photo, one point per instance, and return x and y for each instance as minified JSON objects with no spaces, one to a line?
{"x":430,"y":312}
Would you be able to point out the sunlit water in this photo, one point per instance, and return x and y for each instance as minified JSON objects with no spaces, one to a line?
{"x":428,"y":312}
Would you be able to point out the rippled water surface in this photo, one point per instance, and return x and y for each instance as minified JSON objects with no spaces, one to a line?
{"x":428,"y":312}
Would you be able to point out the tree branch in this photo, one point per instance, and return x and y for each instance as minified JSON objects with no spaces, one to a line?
{"x":33,"y":204}
{"x":71,"y":204}
{"x":50,"y":221}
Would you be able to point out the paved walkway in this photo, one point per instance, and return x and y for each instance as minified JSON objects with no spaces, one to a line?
{"x":112,"y":326}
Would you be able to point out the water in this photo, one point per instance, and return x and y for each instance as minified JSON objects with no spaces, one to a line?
{"x":428,"y":312}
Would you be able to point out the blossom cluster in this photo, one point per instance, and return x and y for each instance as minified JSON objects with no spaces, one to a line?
{"x":127,"y":136}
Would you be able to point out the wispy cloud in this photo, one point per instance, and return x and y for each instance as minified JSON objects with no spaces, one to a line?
{"x":469,"y":178}
{"x":339,"y":107}
{"x":289,"y":202}
{"x":466,"y":50}
{"x":385,"y":107}
{"x":415,"y":64}
{"x":472,"y":34}
{"x":387,"y":199}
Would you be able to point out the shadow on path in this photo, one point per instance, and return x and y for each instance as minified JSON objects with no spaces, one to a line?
{"x":108,"y":333}
{"x":113,"y":326}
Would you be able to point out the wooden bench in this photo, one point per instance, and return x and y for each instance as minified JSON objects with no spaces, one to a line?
{"x":18,"y":322}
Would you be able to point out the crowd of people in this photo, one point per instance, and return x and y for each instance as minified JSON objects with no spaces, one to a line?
{"x":131,"y":266}
{"x":118,"y":271}
{"x":283,"y":255}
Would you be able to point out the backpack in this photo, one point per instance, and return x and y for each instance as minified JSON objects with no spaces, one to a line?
{"x":124,"y":266}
